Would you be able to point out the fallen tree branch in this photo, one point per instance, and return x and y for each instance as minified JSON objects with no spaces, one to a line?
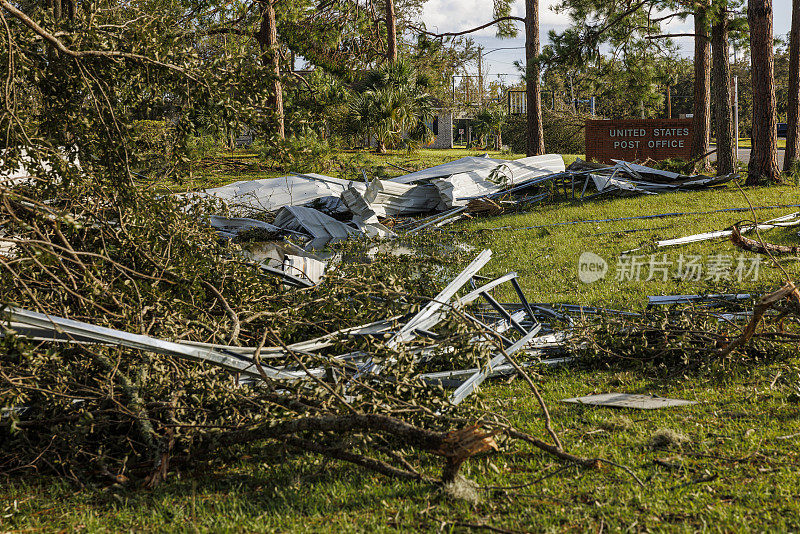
{"x":456,"y":446}
{"x":760,"y":247}
{"x":593,"y":463}
{"x":787,"y":292}
{"x":363,"y":461}
{"x":471,"y":30}
{"x":61,"y":47}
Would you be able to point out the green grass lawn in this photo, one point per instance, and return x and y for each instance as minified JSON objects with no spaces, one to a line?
{"x":746,"y":142}
{"x":737,"y":471}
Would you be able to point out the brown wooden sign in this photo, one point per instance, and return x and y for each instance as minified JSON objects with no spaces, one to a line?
{"x":638,"y":139}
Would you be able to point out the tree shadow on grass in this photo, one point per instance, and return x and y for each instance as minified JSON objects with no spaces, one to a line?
{"x":257,"y":481}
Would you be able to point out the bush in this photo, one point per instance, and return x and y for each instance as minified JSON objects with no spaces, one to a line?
{"x":204,"y":146}
{"x":563,"y":132}
{"x":302,"y":153}
{"x":152,"y":142}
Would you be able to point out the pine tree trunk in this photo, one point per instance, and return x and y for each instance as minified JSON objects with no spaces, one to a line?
{"x":701,"y":118}
{"x":270,"y":58}
{"x":793,"y":102}
{"x":391,"y":31}
{"x":764,"y":154}
{"x":533,"y":88}
{"x":723,"y":113}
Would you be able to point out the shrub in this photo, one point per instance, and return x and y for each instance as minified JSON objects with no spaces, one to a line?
{"x":563,"y":132}
{"x":303,"y":153}
{"x":204,"y":146}
{"x":152,"y":142}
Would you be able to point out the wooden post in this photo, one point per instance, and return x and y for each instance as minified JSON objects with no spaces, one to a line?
{"x":669,"y":101}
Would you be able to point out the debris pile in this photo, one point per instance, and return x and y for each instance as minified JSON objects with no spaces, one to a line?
{"x":415,"y":334}
{"x":625,"y":178}
{"x":376,"y":366}
{"x":318,"y":210}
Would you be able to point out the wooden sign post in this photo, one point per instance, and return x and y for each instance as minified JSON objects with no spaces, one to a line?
{"x":638,"y":139}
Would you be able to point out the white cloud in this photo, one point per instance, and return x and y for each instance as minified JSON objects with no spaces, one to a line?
{"x":459,"y":15}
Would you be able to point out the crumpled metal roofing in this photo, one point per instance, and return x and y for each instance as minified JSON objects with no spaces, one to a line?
{"x":269,"y":194}
{"x":515,"y":170}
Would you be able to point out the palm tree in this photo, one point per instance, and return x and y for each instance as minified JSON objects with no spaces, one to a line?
{"x":393,"y":106}
{"x":490,"y":121}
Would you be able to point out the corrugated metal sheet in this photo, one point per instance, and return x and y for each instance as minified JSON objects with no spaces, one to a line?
{"x":519,"y":169}
{"x":385,"y":198}
{"x":313,"y":222}
{"x":269,"y":194}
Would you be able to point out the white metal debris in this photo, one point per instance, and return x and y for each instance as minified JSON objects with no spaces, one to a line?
{"x":312,"y":222}
{"x":516,"y":170}
{"x":472,"y":383}
{"x":792,"y":219}
{"x":668,"y":300}
{"x":384,"y":198}
{"x":489,"y":176}
{"x":304,"y":267}
{"x":229,"y":227}
{"x":269,"y":194}
{"x":626,"y":400}
{"x":81,"y":330}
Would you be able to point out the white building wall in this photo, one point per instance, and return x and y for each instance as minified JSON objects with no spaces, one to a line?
{"x":444,"y":139}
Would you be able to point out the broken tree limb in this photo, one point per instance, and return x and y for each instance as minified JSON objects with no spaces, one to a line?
{"x":61,"y":47}
{"x":593,"y":463}
{"x":455,"y":446}
{"x":752,"y":245}
{"x":357,"y":459}
{"x":787,"y":292}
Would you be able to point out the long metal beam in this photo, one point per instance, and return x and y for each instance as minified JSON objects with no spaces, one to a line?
{"x":225,"y":359}
{"x":472,"y":383}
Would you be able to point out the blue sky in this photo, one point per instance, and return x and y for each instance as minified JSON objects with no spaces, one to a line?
{"x":458,"y":15}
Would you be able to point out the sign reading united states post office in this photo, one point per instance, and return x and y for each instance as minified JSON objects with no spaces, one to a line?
{"x":638,"y":139}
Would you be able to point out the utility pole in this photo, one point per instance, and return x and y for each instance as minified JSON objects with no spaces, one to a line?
{"x":669,"y":101}
{"x":480,"y":75}
{"x":572,"y":95}
{"x":736,"y":110}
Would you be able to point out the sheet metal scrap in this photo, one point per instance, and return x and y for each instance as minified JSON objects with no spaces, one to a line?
{"x":784,"y":221}
{"x":44,"y":327}
{"x":430,"y":315}
{"x":313,"y":222}
{"x":30,"y":325}
{"x":706,"y":300}
{"x":230,"y":227}
{"x":632,"y":179}
{"x":626,"y":400}
{"x":218,"y":357}
{"x":269,"y":194}
{"x":384,"y":198}
{"x":438,"y":188}
{"x":516,"y":170}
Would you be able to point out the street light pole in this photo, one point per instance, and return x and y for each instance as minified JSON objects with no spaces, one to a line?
{"x":736,"y":113}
